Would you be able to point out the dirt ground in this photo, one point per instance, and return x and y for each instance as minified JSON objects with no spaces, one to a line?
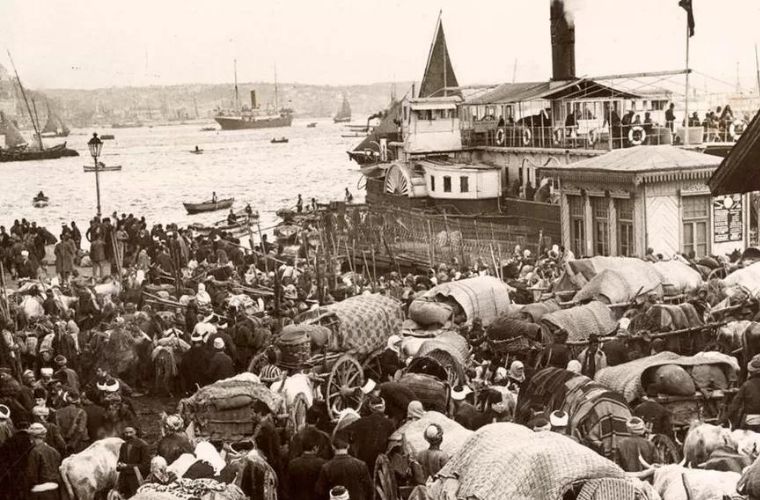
{"x":149,"y":410}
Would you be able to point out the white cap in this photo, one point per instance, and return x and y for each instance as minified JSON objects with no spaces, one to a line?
{"x":369,"y":386}
{"x":460,"y":395}
{"x":24,"y":253}
{"x":219,"y":343}
{"x":624,"y":323}
{"x":559,"y":418}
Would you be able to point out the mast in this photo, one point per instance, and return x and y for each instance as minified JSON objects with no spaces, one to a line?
{"x":26,"y":101}
{"x":686,"y":100}
{"x":237,"y":94}
{"x":276,"y":97}
{"x":36,"y":116}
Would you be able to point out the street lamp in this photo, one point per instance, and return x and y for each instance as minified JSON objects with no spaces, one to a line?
{"x":96,"y":145}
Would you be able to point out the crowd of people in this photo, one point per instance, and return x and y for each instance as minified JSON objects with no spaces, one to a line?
{"x":61,"y":389}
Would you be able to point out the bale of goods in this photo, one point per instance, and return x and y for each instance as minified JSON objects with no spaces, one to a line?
{"x":672,"y":380}
{"x":430,"y":313}
{"x":614,"y":279}
{"x":483,"y":297}
{"x":709,"y":377}
{"x":582,"y":321}
{"x":413,"y":432}
{"x":534,"y":312}
{"x":430,"y":391}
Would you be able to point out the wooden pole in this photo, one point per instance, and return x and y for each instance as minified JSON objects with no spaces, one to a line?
{"x":374,"y":263}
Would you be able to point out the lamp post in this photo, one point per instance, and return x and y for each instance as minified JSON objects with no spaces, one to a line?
{"x":96,"y":145}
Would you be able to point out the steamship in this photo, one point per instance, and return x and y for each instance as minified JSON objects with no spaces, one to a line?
{"x":252,"y":118}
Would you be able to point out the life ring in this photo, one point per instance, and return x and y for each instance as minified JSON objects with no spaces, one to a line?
{"x":732,"y":129}
{"x":500,"y":137}
{"x":592,"y":136}
{"x":526,"y":137}
{"x":637,"y":135}
{"x":558,"y":135}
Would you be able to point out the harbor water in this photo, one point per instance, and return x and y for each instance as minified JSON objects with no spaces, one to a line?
{"x":159,"y":173}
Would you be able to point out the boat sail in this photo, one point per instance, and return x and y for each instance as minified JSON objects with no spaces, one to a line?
{"x":344,"y":113}
{"x":13,"y":138}
{"x":54,"y":126}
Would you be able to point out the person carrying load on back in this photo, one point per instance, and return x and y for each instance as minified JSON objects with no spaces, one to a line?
{"x":432,"y":459}
{"x":744,"y":410}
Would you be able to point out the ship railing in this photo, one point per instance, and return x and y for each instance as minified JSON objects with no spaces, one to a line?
{"x":588,"y":135}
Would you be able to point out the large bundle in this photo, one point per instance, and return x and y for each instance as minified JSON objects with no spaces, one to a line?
{"x":430,"y":391}
{"x":483,"y":297}
{"x":364,"y":322}
{"x":224,"y":409}
{"x":582,"y":321}
{"x":294,"y":343}
{"x":450,"y":349}
{"x":454,"y":435}
{"x":512,"y":335}
{"x":625,"y":278}
{"x":748,"y":277}
{"x":598,"y":416}
{"x":667,"y":317}
{"x":678,"y":277}
{"x":202,"y":489}
{"x":630,"y":378}
{"x":504,"y":461}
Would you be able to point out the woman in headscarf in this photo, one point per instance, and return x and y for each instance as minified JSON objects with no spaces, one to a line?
{"x":516,"y":376}
{"x":175,"y":442}
{"x":202,"y":297}
{"x":414,"y":411}
{"x":159,"y":473}
{"x":143,"y":260}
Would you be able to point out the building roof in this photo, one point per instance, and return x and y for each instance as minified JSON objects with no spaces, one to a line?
{"x":642,"y":164}
{"x":738,"y":173}
{"x":530,"y":91}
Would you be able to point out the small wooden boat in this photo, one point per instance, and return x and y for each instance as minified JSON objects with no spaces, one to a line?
{"x":196,"y":151}
{"x":107,"y":137}
{"x":208,"y":129}
{"x":208,"y":206}
{"x":279,"y":140}
{"x":311,"y":125}
{"x":102,"y":167}
{"x":40,"y":201}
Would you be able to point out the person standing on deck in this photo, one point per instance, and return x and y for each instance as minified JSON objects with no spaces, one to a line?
{"x":299,"y":204}
{"x":670,"y":117}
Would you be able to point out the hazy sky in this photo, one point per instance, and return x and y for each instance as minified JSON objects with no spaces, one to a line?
{"x":89,"y":43}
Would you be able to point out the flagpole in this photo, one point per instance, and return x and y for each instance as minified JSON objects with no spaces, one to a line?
{"x":686,"y":100}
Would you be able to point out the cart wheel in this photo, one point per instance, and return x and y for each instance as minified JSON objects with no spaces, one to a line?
{"x":257,"y":362}
{"x":372,"y":368}
{"x":297,"y":415}
{"x":385,"y":479}
{"x":717,"y":273}
{"x":343,"y":385}
{"x":669,"y":451}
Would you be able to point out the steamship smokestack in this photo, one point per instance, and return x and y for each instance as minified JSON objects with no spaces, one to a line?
{"x":563,"y":41}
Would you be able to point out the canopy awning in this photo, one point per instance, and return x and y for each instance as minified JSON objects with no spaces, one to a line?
{"x":581,"y":88}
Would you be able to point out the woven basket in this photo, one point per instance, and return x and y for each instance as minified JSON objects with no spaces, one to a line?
{"x":295,"y":354}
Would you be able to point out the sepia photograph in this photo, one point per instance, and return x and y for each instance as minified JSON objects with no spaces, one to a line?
{"x":364,"y":250}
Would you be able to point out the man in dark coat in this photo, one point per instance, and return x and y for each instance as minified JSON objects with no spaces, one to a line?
{"x":557,"y":354}
{"x":220,"y":366}
{"x":134,"y":457}
{"x":744,"y":411}
{"x":72,"y":421}
{"x":96,"y":419}
{"x":14,"y":456}
{"x":298,"y":445}
{"x":268,"y":438}
{"x":303,"y":471}
{"x":465,"y":414}
{"x":369,"y":435}
{"x":655,"y":416}
{"x":344,"y":470}
{"x":42,"y":476}
{"x":175,"y":442}
{"x":194,"y":363}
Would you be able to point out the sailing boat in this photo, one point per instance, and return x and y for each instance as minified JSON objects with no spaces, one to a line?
{"x":238,"y":119}
{"x":344,"y":113}
{"x":54,"y":126}
{"x":16,"y":148}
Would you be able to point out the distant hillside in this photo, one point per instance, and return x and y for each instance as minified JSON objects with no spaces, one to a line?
{"x":187,"y":102}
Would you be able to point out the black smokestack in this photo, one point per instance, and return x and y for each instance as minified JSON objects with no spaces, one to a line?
{"x":563,"y":41}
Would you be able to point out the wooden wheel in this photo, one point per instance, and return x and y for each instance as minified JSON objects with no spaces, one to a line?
{"x":297,"y":415}
{"x":257,"y":363}
{"x":669,"y":451}
{"x":372,"y":367}
{"x":385,"y":479}
{"x":344,"y":385}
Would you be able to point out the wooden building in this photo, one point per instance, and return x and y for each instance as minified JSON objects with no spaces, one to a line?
{"x":631,"y":199}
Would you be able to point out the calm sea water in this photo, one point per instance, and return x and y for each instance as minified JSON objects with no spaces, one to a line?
{"x":159,"y":173}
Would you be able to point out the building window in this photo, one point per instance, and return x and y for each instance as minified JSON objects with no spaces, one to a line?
{"x":577,"y":226}
{"x":600,"y":209}
{"x":464,"y":184}
{"x":432,"y":183}
{"x":624,"y":210}
{"x":696,"y":221}
{"x":446,"y":184}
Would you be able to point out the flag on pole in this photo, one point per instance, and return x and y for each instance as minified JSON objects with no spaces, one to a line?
{"x":686,"y":4}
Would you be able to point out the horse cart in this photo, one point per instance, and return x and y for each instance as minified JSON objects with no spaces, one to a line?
{"x":340,"y":345}
{"x":697,"y":387}
{"x":396,"y":472}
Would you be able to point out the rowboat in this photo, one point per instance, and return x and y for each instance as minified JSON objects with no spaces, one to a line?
{"x":102,"y":168}
{"x":196,"y":151}
{"x":279,"y":140}
{"x":40,"y":201}
{"x":311,"y":125}
{"x":107,"y":137}
{"x":208,"y":206}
